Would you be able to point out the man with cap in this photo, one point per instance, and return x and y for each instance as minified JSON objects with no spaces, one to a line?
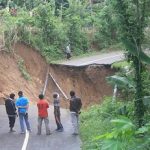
{"x":11,"y":110}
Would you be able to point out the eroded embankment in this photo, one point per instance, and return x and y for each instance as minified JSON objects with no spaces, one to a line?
{"x":88,"y":81}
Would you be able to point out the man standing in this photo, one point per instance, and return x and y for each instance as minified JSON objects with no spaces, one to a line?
{"x":68,"y":52}
{"x":11,"y":110}
{"x":75,"y":106}
{"x":43,"y":105}
{"x":56,"y":102}
{"x":22,"y":104}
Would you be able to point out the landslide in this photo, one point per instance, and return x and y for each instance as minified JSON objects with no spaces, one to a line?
{"x":88,"y":81}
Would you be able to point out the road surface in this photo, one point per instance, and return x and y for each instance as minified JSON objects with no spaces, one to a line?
{"x":56,"y":141}
{"x":108,"y":58}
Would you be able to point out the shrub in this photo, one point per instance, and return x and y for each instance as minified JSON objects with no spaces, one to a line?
{"x":23,"y":70}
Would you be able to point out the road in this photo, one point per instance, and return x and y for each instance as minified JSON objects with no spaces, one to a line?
{"x":108,"y":58}
{"x":56,"y":141}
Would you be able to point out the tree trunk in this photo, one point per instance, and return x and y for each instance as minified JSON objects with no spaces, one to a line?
{"x":139,"y":107}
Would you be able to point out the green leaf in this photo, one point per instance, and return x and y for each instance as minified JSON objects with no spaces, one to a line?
{"x":111,"y":145}
{"x":142,"y":130}
{"x":133,"y":50}
{"x":120,"y":81}
{"x":146,"y":100}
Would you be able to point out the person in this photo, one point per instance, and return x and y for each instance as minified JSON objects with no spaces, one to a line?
{"x":43,"y":105}
{"x":75,"y":106}
{"x":68,"y":52}
{"x":56,"y":102}
{"x":11,"y":111}
{"x":22,"y":104}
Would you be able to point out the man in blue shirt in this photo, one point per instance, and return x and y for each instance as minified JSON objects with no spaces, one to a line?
{"x":22,"y":104}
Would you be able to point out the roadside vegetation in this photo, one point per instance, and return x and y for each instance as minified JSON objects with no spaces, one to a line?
{"x":121,"y":122}
{"x":49,"y":26}
{"x":113,"y":125}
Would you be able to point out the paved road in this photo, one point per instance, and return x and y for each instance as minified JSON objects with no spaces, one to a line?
{"x":56,"y":141}
{"x":108,"y":58}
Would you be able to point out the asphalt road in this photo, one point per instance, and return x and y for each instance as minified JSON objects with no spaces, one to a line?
{"x":56,"y":141}
{"x":107,"y":58}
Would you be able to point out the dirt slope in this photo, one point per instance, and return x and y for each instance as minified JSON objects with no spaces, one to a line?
{"x":11,"y":79}
{"x":88,"y":81}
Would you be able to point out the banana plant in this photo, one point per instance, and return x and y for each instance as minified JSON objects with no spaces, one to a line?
{"x":122,"y":82}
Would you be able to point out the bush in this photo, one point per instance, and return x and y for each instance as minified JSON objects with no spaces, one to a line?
{"x":96,"y":120}
{"x":109,"y":127}
{"x":23,"y":70}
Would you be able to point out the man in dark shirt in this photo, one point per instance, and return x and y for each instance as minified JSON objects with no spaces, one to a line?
{"x":11,"y":111}
{"x":75,"y":106}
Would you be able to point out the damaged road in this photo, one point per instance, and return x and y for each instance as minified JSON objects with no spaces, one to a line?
{"x":108,"y":58}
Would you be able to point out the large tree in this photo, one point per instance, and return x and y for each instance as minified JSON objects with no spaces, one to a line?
{"x":132,"y":16}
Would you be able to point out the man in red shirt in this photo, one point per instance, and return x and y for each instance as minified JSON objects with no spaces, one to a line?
{"x":43,"y":105}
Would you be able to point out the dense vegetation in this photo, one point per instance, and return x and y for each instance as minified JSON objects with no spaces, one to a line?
{"x":113,"y":124}
{"x":49,"y":27}
{"x":127,"y":119}
{"x":121,"y":122}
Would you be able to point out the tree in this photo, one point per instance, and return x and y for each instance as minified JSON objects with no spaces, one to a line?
{"x":132,"y":16}
{"x":60,"y":5}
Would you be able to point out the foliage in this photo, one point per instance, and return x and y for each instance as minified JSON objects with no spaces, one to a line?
{"x":121,"y":82}
{"x":105,"y":127}
{"x":3,"y":3}
{"x":23,"y":70}
{"x":105,"y":23}
{"x":124,"y":136}
{"x":74,"y":17}
{"x":132,"y":17}
{"x":53,"y":32}
{"x":48,"y":33}
{"x":146,"y":82}
{"x":120,"y":65}
{"x":96,"y":120}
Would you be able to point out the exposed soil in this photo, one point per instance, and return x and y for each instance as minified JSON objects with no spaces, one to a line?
{"x":88,"y":81}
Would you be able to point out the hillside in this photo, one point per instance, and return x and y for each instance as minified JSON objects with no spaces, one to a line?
{"x":11,"y":78}
{"x":88,"y":81}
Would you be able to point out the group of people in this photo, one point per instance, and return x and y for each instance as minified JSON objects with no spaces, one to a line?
{"x":19,"y":107}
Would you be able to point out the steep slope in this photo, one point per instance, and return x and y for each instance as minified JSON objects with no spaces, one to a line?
{"x":88,"y":81}
{"x":11,"y":79}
